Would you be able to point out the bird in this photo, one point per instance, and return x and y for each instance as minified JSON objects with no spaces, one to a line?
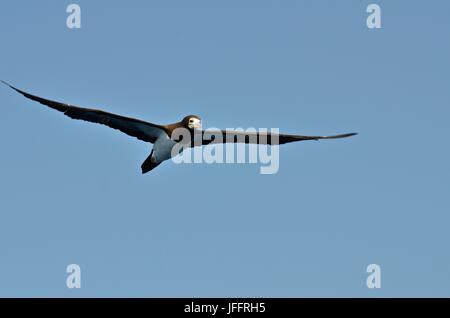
{"x":165,"y":137}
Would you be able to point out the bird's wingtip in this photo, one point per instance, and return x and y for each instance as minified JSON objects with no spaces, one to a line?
{"x":349,"y":135}
{"x":341,"y":136}
{"x":14,"y":88}
{"x":7,"y":84}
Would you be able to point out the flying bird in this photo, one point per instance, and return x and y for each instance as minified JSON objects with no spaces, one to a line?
{"x":163,"y":137}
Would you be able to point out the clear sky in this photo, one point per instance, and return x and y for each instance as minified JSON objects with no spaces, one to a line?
{"x":72,"y":192}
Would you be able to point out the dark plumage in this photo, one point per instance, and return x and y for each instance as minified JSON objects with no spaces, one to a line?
{"x":161,"y":135}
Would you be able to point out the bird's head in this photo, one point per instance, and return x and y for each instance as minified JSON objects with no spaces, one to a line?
{"x":192,"y":122}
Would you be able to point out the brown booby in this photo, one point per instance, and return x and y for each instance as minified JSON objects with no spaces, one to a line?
{"x":163,"y":137}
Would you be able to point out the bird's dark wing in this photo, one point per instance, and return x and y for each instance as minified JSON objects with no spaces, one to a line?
{"x":142,"y":130}
{"x":233,"y":136}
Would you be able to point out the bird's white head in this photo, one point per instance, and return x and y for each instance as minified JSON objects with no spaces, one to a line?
{"x":193,"y":122}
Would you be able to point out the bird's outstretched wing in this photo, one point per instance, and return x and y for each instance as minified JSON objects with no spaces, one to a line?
{"x":140,"y":129}
{"x":234,"y":136}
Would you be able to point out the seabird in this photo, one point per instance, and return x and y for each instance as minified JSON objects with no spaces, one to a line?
{"x":162,"y":136}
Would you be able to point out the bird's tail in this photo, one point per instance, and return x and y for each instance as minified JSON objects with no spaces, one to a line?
{"x":148,"y":165}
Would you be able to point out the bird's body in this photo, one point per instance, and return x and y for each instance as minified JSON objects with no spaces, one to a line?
{"x":165,"y":137}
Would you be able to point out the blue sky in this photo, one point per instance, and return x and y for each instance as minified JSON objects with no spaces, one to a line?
{"x":72,"y":192}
